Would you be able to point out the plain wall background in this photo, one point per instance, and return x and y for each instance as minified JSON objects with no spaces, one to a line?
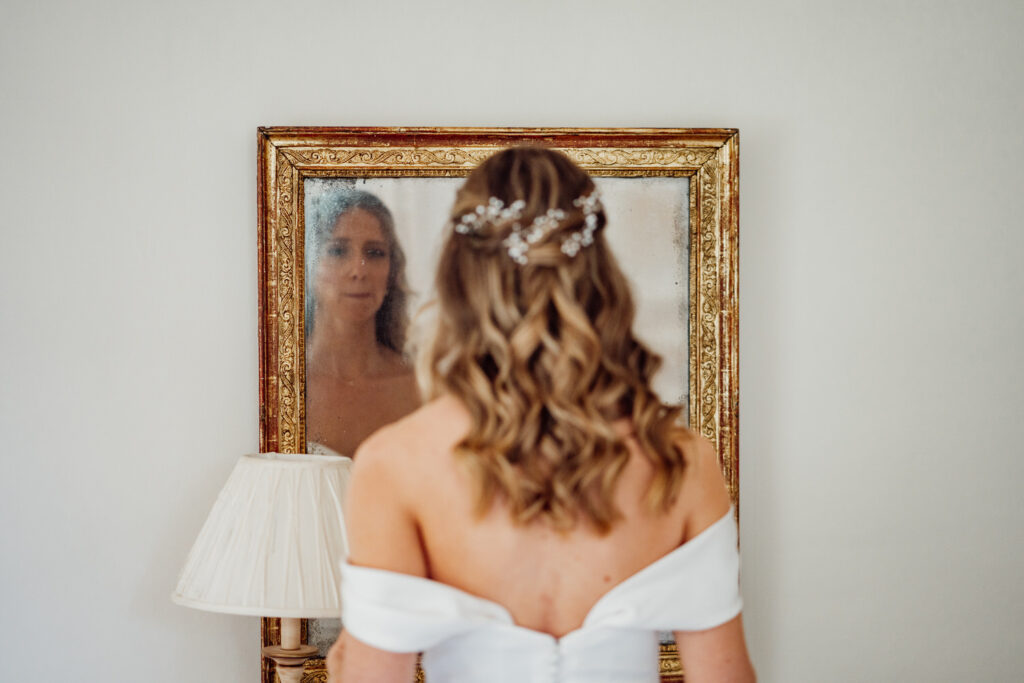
{"x":881,"y":302}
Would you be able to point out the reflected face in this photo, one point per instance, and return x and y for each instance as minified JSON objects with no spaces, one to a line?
{"x":352,"y":276}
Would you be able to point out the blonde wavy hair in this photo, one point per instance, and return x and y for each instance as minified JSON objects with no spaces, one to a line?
{"x":543,"y":355}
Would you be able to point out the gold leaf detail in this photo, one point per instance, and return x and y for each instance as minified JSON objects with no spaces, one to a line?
{"x":311,"y":158}
{"x":665,"y":158}
{"x":287,"y":307}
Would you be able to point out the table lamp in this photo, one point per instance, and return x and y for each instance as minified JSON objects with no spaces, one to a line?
{"x":272,"y":547}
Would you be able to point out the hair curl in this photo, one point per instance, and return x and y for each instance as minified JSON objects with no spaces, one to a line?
{"x":543,"y":355}
{"x":391,"y":321}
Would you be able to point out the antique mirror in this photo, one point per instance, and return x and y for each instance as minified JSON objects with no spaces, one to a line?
{"x":382,"y":195}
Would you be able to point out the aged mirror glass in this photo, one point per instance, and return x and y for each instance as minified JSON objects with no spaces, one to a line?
{"x":350,"y":226}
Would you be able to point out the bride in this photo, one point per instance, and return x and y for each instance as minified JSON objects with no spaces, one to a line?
{"x":542,"y":516}
{"x":357,"y":379}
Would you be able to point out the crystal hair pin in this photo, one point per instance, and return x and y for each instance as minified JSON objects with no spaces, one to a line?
{"x":520,"y":240}
{"x":494,"y":210}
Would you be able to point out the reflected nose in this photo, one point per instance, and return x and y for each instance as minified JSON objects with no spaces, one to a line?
{"x":357,"y":268}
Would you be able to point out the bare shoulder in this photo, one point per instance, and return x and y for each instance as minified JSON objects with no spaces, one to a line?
{"x":718,"y":653}
{"x":392,"y":469}
{"x":436,"y":422}
{"x":377,"y":474}
{"x":381,"y":524}
{"x":704,"y":494}
{"x":393,"y":450}
{"x":444,"y":407}
{"x":699,"y":451}
{"x":376,"y":455}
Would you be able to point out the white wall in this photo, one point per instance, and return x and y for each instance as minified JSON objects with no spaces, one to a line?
{"x":881,"y":306}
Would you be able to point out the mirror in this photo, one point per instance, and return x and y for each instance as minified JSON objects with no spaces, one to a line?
{"x":351,"y":226}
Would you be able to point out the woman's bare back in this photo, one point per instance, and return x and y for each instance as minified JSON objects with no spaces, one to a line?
{"x":548,"y":581}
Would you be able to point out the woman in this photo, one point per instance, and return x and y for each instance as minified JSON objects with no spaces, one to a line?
{"x":356,"y":377}
{"x":541,"y":517}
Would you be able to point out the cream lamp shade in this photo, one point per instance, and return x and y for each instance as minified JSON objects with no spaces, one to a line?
{"x":274,"y":541}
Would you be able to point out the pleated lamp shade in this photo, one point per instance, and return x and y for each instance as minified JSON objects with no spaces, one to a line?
{"x":274,"y":540}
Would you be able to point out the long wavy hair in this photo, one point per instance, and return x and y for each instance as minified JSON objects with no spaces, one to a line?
{"x":391,"y":321}
{"x":543,"y":354}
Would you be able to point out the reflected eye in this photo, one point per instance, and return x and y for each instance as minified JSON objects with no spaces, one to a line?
{"x":337,"y":250}
{"x":376,"y":254}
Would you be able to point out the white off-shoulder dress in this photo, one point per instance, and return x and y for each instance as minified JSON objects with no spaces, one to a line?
{"x":468,"y":639}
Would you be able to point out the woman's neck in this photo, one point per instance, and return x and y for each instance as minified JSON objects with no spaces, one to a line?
{"x":347,"y":350}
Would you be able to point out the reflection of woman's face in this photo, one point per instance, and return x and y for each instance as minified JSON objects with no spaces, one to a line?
{"x":352,"y":276}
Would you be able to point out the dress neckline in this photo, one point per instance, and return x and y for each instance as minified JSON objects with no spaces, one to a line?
{"x":600,"y":604}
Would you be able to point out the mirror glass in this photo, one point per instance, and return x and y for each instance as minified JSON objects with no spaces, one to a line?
{"x":359,"y":293}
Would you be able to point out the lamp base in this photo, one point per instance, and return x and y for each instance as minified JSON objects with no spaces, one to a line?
{"x":284,"y":656}
{"x":290,"y":656}
{"x":289,"y":663}
{"x":289,"y":674}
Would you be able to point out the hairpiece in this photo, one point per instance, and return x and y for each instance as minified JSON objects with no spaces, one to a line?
{"x":494,"y":210}
{"x":520,"y":240}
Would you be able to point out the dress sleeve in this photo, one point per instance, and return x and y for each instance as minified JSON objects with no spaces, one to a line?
{"x":693,"y":588}
{"x":402,"y":613}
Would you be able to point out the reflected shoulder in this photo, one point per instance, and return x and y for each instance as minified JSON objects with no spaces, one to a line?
{"x":397,"y":364}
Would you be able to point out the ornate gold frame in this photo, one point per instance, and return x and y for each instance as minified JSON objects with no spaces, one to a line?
{"x":709,"y":157}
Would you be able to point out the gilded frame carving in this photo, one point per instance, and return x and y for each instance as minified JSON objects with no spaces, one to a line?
{"x":708,"y":157}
